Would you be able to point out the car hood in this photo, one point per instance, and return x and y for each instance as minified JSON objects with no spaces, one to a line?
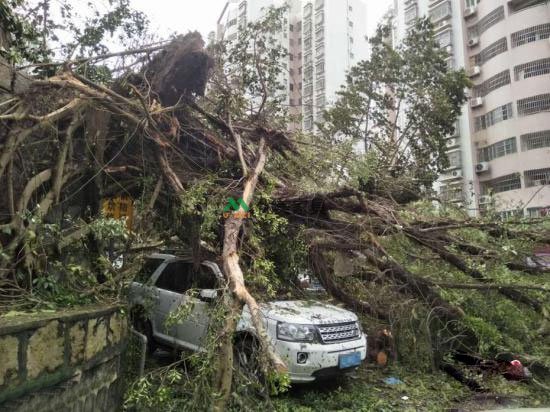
{"x":306,"y":312}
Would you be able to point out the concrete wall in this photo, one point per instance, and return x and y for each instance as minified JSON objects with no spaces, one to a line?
{"x":61,"y":361}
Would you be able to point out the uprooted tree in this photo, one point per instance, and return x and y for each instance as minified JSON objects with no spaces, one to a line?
{"x":180,"y":129}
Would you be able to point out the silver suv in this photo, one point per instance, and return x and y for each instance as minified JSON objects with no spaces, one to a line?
{"x":313,"y":338}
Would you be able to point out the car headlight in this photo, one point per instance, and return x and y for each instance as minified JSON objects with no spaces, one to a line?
{"x":295,"y":332}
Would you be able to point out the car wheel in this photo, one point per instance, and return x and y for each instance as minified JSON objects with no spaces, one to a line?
{"x":143,"y":325}
{"x":246,"y":354}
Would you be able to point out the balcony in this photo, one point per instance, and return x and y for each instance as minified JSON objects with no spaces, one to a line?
{"x":440,"y":12}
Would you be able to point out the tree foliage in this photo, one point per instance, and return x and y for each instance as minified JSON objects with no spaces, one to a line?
{"x":401,"y":104}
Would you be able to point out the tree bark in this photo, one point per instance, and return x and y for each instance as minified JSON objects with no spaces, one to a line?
{"x":235,"y":278}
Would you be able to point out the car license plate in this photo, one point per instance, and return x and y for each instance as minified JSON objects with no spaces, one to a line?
{"x":349,"y":359}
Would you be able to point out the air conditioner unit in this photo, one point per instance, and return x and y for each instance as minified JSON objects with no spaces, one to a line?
{"x":456,"y":173}
{"x":474,"y":71}
{"x":476,"y":102}
{"x":539,"y":182}
{"x":469,"y":12}
{"x":482,"y":167}
{"x":473,"y":41}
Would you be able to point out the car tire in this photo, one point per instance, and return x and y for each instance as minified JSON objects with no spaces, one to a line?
{"x":143,"y":325}
{"x":246,"y":356}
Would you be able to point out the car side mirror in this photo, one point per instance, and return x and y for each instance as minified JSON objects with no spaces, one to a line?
{"x":208,"y":295}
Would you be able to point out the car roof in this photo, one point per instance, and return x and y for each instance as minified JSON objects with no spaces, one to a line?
{"x":168,"y":256}
{"x":161,"y":256}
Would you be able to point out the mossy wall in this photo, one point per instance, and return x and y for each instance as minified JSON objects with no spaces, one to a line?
{"x":70,"y":356}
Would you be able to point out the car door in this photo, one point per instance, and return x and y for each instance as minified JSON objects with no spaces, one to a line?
{"x":202,"y":278}
{"x":171,"y":285}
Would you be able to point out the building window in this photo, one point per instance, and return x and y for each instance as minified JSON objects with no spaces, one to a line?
{"x":515,"y":6}
{"x":291,"y":72}
{"x":320,"y":67}
{"x":532,"y":69}
{"x":350,"y":23}
{"x":351,"y":56}
{"x":291,"y":87}
{"x":500,"y":46}
{"x":308,"y":27}
{"x":440,"y":12}
{"x":320,"y":36}
{"x":319,"y":4}
{"x":300,"y":70}
{"x":291,"y":57}
{"x":320,"y":101}
{"x":455,"y":159}
{"x":307,"y":44}
{"x":351,"y":39}
{"x":232,"y":22}
{"x":540,"y":32}
{"x":536,"y":140}
{"x":451,"y":193}
{"x":320,"y":84}
{"x":308,"y":90}
{"x":308,"y":9}
{"x":538,"y":177}
{"x":486,"y":22}
{"x":534,"y":212}
{"x":534,"y":104}
{"x":492,"y":83}
{"x":350,"y":8}
{"x":493,"y":117}
{"x":319,"y":19}
{"x":308,"y":123}
{"x":501,"y":184}
{"x":291,"y":102}
{"x":307,"y":58}
{"x":291,"y":27}
{"x":510,"y":214}
{"x":491,"y":19}
{"x":498,"y":149}
{"x":411,"y":14}
{"x":443,"y":39}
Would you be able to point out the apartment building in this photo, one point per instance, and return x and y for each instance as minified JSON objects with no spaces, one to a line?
{"x":324,"y":39}
{"x":333,"y":40}
{"x":237,"y":13}
{"x":500,"y":152}
{"x":508,"y":47}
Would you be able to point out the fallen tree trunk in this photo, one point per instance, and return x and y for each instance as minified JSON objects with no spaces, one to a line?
{"x":235,"y":278}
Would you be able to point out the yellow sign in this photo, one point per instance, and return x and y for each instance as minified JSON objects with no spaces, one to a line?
{"x":119,"y":208}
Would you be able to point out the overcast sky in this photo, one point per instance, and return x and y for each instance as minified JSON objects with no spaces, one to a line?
{"x":181,"y":16}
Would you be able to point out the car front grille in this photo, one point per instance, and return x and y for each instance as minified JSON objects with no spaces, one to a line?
{"x":339,"y":332}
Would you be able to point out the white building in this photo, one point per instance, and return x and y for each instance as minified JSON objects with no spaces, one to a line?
{"x":324,"y":38}
{"x":333,"y":40}
{"x":500,"y":154}
{"x":457,"y":184}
